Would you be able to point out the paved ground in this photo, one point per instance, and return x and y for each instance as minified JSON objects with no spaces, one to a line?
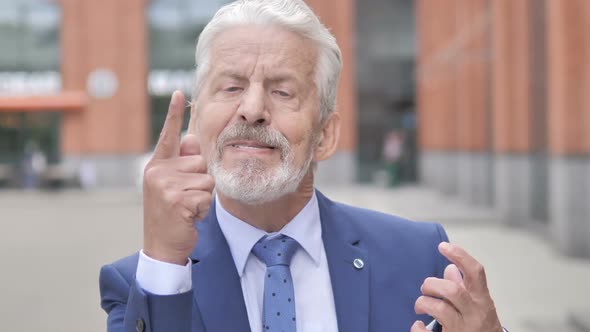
{"x":53,"y":244}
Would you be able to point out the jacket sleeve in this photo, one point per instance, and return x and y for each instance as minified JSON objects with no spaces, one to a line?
{"x":131,"y":309}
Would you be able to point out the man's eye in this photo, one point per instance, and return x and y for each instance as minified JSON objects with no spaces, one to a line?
{"x":282,"y":93}
{"x":233,"y":89}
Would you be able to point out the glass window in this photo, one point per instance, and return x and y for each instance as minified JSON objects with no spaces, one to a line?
{"x":174,"y":27}
{"x":29,"y":30}
{"x":29,"y":65}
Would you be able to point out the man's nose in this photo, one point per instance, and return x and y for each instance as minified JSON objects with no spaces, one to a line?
{"x":253,"y":107}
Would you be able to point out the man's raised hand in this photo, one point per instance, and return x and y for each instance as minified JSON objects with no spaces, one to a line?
{"x":460,"y":304}
{"x":176,"y":190}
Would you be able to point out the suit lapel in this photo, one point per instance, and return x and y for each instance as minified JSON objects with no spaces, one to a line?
{"x":216,"y":283}
{"x":349,"y":284}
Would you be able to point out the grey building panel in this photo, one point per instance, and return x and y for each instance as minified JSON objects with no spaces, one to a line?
{"x":513,"y":190}
{"x":570,"y":205}
{"x":439,"y":169}
{"x":475,"y":178}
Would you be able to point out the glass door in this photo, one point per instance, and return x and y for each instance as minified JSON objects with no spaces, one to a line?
{"x":29,"y":142}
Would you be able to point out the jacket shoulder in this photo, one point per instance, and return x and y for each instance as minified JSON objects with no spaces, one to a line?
{"x":379,"y":224}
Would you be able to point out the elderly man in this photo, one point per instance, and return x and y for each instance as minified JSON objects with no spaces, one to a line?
{"x":266,"y":251}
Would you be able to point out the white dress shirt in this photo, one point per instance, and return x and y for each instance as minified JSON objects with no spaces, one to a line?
{"x":314,"y":300}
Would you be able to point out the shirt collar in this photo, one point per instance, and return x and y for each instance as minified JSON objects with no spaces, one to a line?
{"x":305,"y":228}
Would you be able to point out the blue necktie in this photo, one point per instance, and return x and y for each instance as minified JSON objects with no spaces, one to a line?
{"x":278,"y":313}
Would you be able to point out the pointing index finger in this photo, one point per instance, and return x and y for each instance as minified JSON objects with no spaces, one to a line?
{"x":169,"y":142}
{"x":474,"y":274}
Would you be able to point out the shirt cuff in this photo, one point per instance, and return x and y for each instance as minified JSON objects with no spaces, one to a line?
{"x":161,"y":278}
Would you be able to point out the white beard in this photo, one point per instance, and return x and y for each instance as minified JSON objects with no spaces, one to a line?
{"x":252,"y":182}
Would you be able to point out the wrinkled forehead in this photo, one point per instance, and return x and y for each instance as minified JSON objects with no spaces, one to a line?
{"x":269,"y":48}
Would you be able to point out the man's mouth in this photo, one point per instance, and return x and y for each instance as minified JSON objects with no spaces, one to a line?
{"x":252,"y":145}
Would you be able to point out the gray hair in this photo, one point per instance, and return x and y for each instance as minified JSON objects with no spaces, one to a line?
{"x":293,"y":15}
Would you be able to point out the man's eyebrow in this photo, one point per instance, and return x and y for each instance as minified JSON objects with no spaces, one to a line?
{"x":279,"y":78}
{"x":231,"y":74}
{"x":274,"y":78}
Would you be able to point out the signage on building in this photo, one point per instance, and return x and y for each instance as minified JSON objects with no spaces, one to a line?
{"x":102,"y":83}
{"x":29,"y":83}
{"x":165,"y":82}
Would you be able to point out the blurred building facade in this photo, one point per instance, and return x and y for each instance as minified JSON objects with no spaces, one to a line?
{"x":29,"y":61}
{"x":504,"y":110}
{"x":101,"y":88}
{"x":501,"y":88}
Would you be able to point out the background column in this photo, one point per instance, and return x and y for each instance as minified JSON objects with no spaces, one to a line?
{"x":512,"y":109}
{"x":341,"y":168}
{"x":436,"y":94}
{"x":475,"y":180}
{"x":569,"y":123}
{"x":104,"y":44}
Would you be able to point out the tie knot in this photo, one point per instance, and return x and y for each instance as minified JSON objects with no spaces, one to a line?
{"x":275,"y":251}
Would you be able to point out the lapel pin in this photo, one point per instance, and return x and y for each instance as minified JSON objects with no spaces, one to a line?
{"x":358,"y":264}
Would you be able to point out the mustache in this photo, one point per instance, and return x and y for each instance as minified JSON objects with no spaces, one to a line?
{"x":262,"y":134}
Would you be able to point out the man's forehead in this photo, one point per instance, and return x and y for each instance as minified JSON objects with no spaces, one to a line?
{"x":274,"y":45}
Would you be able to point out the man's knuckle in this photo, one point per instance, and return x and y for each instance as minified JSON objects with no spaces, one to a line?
{"x":462,"y":293}
{"x":187,"y":214}
{"x":148,"y":175}
{"x":173,"y":197}
{"x":209,"y":182}
{"x":163,"y":136}
{"x":164,"y":182}
{"x":479,"y":270}
{"x":202,"y":213}
{"x":207,"y":198}
{"x":200,"y":162}
{"x":440,"y":307}
{"x":165,"y":143}
{"x":151,"y":170}
{"x":426,"y":285}
{"x":452,"y":291}
{"x":167,"y":196}
{"x":429,"y":280}
{"x":171,"y":116}
{"x":455,"y":251}
{"x":198,"y":158}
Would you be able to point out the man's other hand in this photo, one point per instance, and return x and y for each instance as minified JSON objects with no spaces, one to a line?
{"x":176,"y":190}
{"x":458,"y":304}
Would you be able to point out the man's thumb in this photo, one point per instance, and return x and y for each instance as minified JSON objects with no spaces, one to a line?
{"x":190,"y":145}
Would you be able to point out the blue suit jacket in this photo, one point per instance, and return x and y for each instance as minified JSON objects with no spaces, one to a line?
{"x":398,"y":256}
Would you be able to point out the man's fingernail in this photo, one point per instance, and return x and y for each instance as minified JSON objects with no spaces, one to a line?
{"x":444,"y":246}
{"x":175,"y":95}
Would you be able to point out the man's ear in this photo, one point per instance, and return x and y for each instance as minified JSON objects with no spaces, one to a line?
{"x":192,"y":123}
{"x":329,"y":138}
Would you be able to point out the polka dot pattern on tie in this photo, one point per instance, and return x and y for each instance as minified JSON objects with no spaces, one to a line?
{"x":279,"y":297}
